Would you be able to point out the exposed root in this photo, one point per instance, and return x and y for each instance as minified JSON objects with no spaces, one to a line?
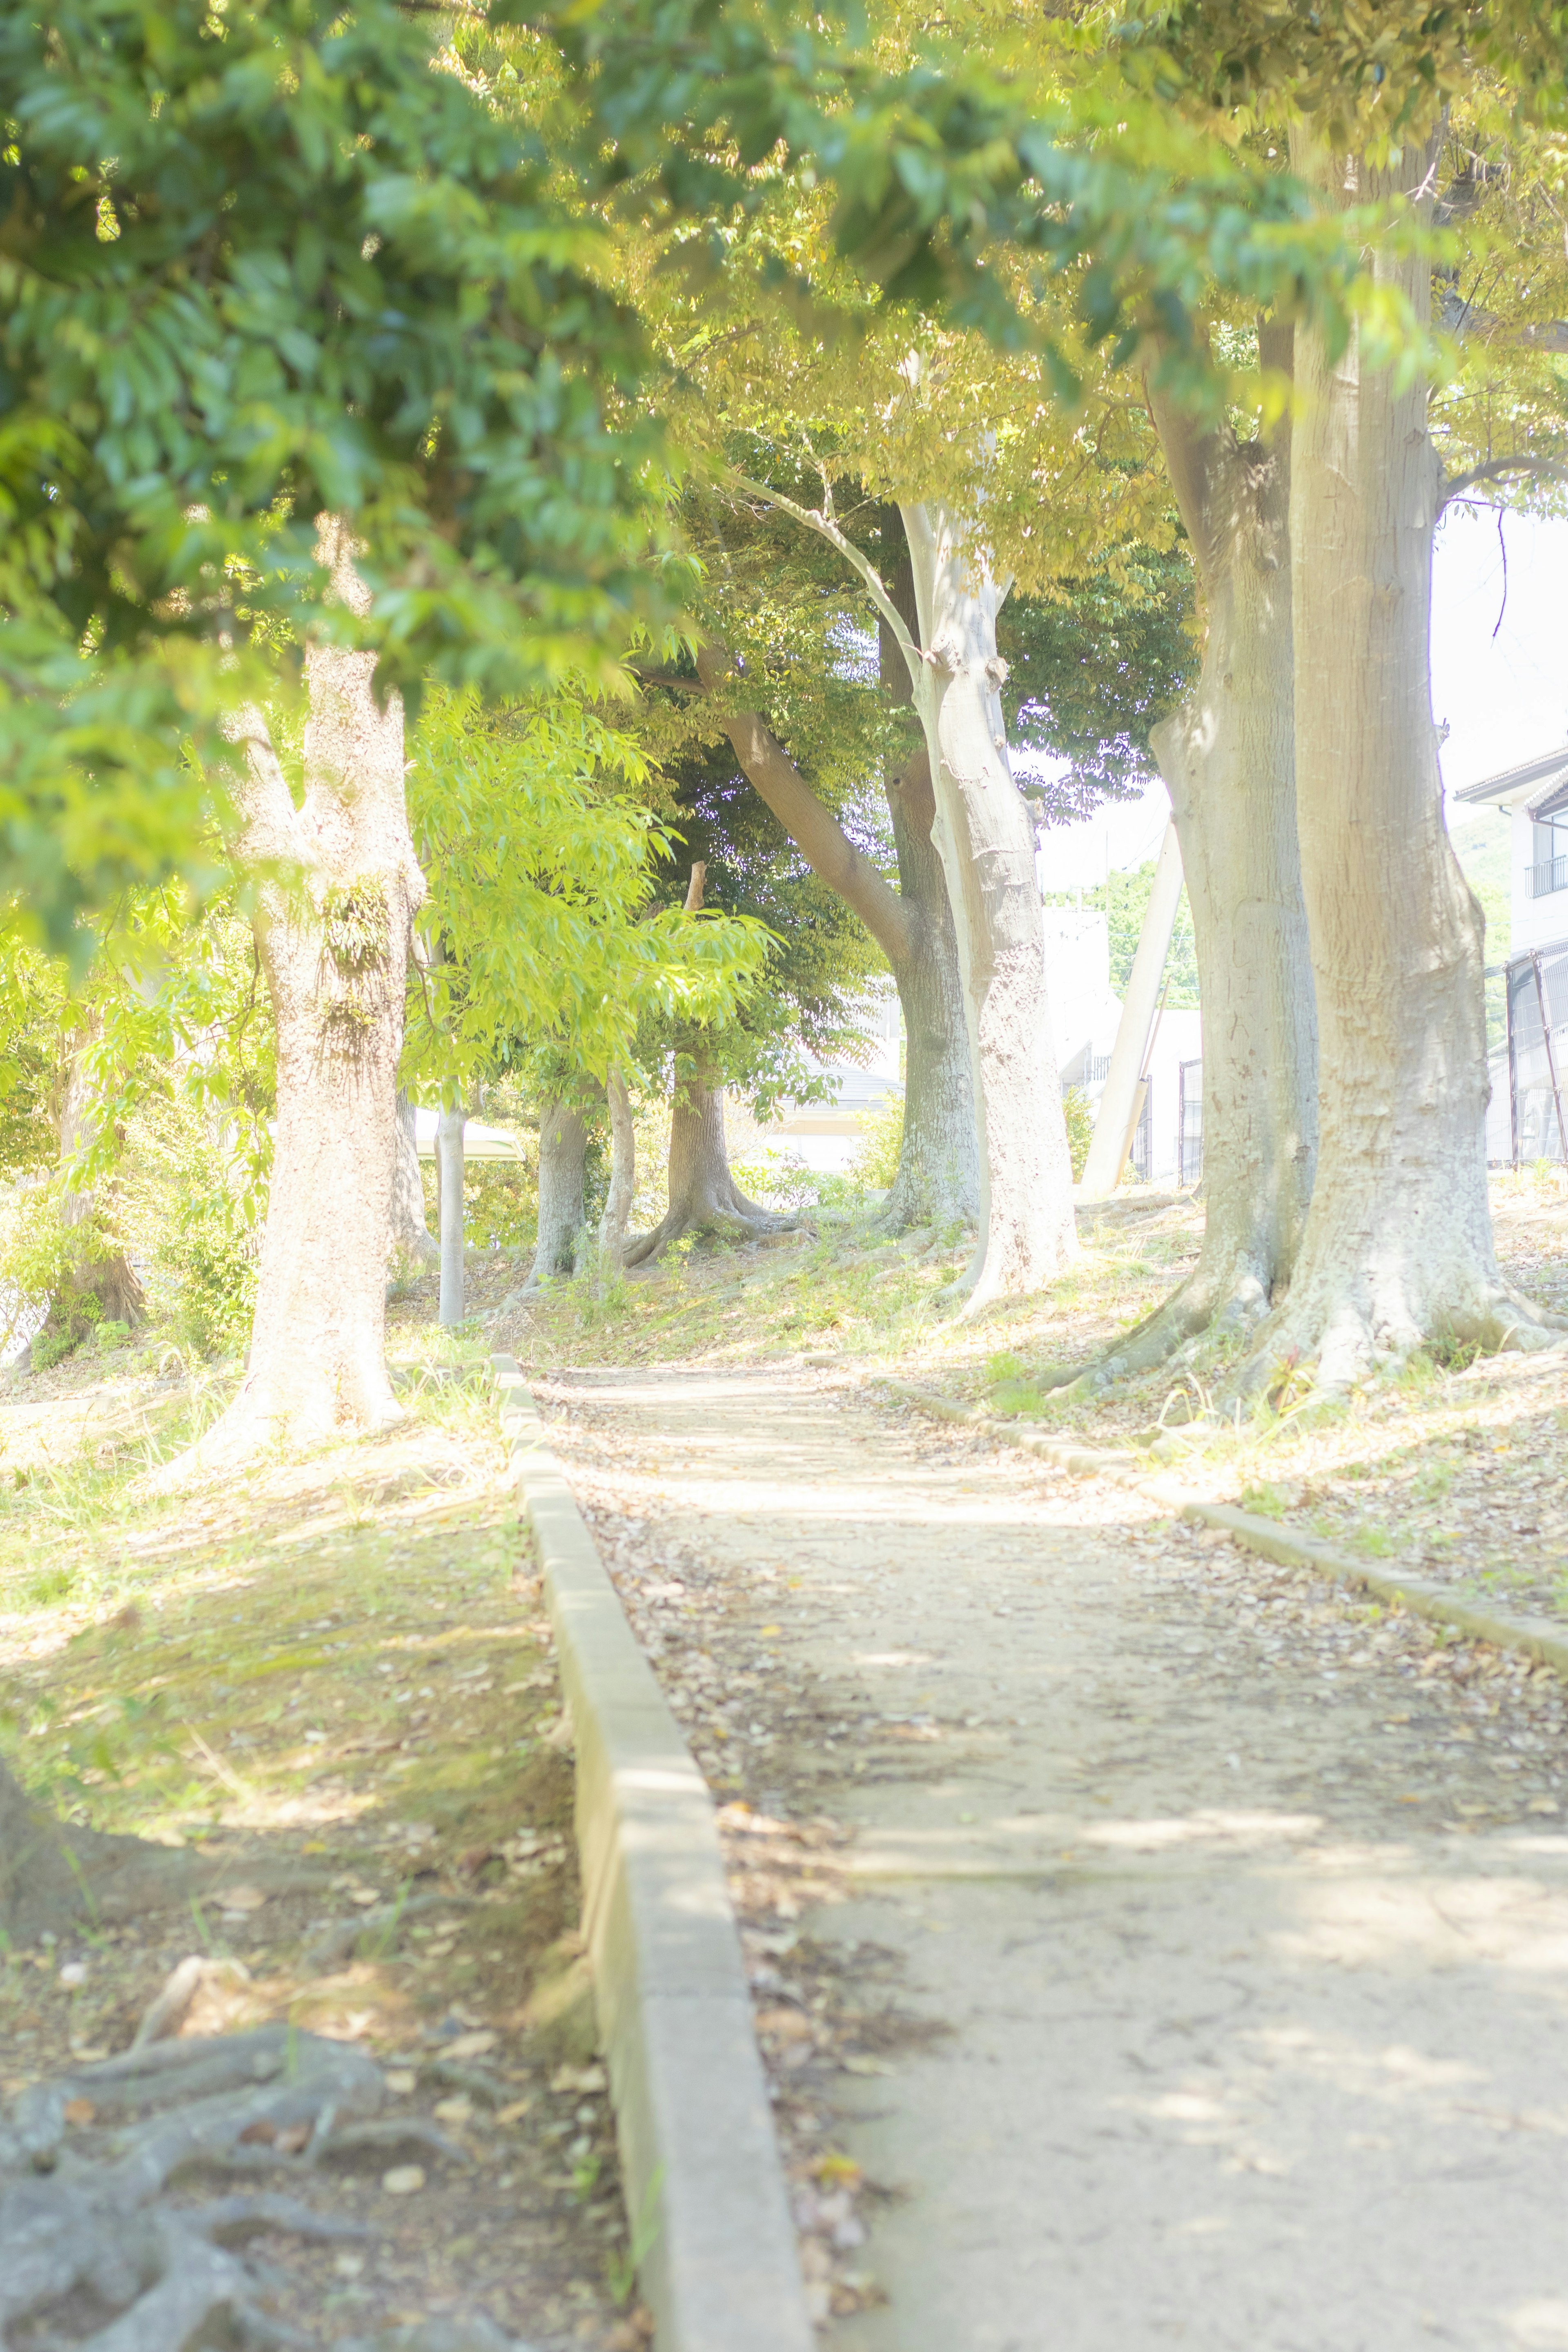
{"x":1328,"y":1341}
{"x":92,"y":2254}
{"x":90,"y":2228}
{"x":1200,"y":1306}
{"x":374,"y":1931}
{"x":734,"y":1220}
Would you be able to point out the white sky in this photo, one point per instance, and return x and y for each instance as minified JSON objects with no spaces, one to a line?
{"x":1502,"y":687}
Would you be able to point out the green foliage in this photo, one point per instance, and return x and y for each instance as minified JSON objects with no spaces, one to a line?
{"x":260,"y":263}
{"x":1125,"y":899}
{"x":1094,"y":665}
{"x":1080,"y":1125}
{"x":195,"y":1219}
{"x":544,"y":870}
{"x":875,"y":1161}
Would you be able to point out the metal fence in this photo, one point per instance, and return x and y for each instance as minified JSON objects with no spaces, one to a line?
{"x":1538,"y":1054}
{"x":1189,"y":1122}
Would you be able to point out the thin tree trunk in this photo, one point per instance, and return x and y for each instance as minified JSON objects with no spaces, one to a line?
{"x":623,"y":1180}
{"x":412,"y":1246}
{"x":1227,"y":756}
{"x":704,"y":1198}
{"x":1398,"y":1247}
{"x":449,"y":1161}
{"x":335,"y":952}
{"x":97,"y":1286}
{"x":938,"y":1178}
{"x":562,"y":1175}
{"x":985,"y":839}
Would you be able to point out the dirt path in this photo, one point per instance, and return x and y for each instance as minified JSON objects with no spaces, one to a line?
{"x":1213,"y":1932}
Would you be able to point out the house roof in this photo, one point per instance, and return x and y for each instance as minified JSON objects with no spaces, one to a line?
{"x":1551,"y":768}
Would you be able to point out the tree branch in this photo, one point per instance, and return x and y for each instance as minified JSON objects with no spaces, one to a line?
{"x":815,"y":830}
{"x":1498,"y":469}
{"x":815,"y":520}
{"x":271,"y":834}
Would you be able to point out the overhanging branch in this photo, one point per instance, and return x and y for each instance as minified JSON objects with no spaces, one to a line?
{"x":815,"y":519}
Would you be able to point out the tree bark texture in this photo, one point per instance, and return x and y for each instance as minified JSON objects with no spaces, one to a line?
{"x":412,"y":1246}
{"x":985,"y":837}
{"x":1227,"y":756}
{"x":1397,"y":1246}
{"x":617,"y":1208}
{"x":334,"y":948}
{"x":562,"y":1175}
{"x":938,"y":1176}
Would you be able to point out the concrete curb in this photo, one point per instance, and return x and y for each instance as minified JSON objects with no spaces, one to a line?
{"x":699,"y":2158}
{"x":1534,"y":1637}
{"x":1064,"y":1453}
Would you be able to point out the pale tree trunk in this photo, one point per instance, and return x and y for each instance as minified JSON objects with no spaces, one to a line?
{"x":1398,"y":1247}
{"x":562,"y":1175}
{"x":1228,"y":755}
{"x":97,"y":1286}
{"x":412,"y":1246}
{"x":938,"y":1180}
{"x":985,"y":837}
{"x":617,"y":1209}
{"x":335,"y":952}
{"x":938,"y":1176}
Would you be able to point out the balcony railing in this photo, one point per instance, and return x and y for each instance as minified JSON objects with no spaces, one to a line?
{"x":1552,"y":875}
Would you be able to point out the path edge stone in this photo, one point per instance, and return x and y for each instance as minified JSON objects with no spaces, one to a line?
{"x":1535,"y":1637}
{"x":706,"y":2199}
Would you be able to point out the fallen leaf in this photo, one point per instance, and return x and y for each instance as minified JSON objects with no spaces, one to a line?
{"x":514,"y":2112}
{"x":470,"y":2045}
{"x":290,"y":2142}
{"x":240,"y":1898}
{"x":785,"y":2024}
{"x":1536,"y":1805}
{"x":401,"y":2081}
{"x":78,"y":2111}
{"x":364,"y":1894}
{"x":858,"y":2065}
{"x":455,"y":2110}
{"x":404,"y":2179}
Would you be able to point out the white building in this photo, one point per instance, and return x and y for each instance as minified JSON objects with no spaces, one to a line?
{"x":1530,"y":1076}
{"x":1084,"y":1015}
{"x":1167,"y":1145}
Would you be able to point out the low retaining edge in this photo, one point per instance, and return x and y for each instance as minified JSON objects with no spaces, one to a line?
{"x":704,"y":2185}
{"x":1537,"y":1637}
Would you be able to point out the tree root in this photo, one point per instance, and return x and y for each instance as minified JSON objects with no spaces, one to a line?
{"x":87,"y":2234}
{"x":1197,"y":1309}
{"x":738,"y":1222}
{"x":1330,"y":1340}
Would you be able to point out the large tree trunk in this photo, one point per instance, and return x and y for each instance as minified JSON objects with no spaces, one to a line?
{"x":1227,"y":756}
{"x":412,"y":1247}
{"x":1398,"y":1247}
{"x":985,"y":837}
{"x":704,"y":1198}
{"x":335,"y":953}
{"x":562,"y":1176}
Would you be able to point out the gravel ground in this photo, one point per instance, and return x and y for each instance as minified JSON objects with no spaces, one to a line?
{"x":1025,"y":1787}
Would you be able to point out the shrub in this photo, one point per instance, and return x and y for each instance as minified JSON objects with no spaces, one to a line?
{"x":1080,"y":1128}
{"x":876,"y":1162}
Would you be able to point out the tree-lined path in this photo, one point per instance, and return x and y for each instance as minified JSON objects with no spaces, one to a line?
{"x":1242,"y":1914}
